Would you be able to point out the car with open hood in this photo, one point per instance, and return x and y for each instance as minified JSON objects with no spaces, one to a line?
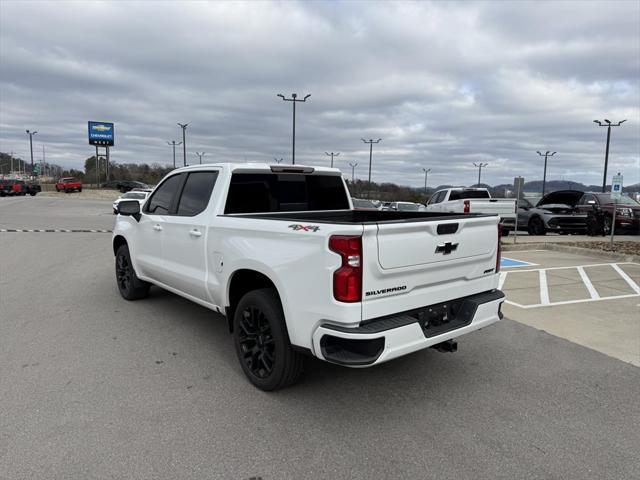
{"x":554,"y":212}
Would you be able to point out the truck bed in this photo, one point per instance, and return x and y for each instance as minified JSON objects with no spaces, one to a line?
{"x":360,"y":217}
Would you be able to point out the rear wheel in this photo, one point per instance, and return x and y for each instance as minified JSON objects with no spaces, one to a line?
{"x":130,"y":286}
{"x":262,"y":342}
{"x":80,"y":189}
{"x":607,"y":225}
{"x":536,"y":227}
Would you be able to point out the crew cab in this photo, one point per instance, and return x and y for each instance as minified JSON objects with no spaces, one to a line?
{"x":474,"y":200}
{"x":280,"y":251}
{"x":68,"y":184}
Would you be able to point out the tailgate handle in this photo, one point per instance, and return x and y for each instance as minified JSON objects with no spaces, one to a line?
{"x":445,"y":228}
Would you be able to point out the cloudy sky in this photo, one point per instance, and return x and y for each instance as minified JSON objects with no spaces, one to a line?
{"x":444,"y":84}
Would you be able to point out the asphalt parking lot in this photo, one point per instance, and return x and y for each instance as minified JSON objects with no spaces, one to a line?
{"x":92,"y":386}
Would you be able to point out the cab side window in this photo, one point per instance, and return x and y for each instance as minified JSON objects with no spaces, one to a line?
{"x":196,"y":193}
{"x":161,"y":201}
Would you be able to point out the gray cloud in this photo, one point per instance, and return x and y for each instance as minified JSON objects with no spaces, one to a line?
{"x":444,"y":84}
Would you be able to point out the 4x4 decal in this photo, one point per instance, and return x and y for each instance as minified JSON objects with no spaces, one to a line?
{"x":304,"y":228}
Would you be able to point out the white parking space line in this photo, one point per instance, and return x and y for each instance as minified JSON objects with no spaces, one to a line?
{"x":594,"y":296}
{"x":587,"y":283}
{"x":634,"y":286}
{"x":544,"y":289}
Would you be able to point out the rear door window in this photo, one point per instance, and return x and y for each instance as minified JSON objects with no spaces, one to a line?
{"x":162,"y":199}
{"x":196,"y":193}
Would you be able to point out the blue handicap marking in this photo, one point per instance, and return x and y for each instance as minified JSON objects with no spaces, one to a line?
{"x":510,"y":262}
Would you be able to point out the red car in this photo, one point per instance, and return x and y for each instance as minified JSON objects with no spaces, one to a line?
{"x":627,"y":214}
{"x":68,"y":184}
{"x":12,"y":187}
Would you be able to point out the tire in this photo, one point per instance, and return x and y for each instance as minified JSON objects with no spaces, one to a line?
{"x":262,"y":342}
{"x":79,"y":190}
{"x":33,"y":194}
{"x":129,"y":285}
{"x":536,"y":227}
{"x":607,"y":225}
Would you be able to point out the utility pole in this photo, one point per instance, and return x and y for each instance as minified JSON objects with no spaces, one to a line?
{"x":184,"y":142}
{"x":294,"y":99}
{"x":332,"y":155}
{"x":353,"y":171}
{"x":31,"y":134}
{"x":42,"y":165}
{"x":200,"y":155}
{"x":479,"y":165}
{"x":173,"y":144}
{"x":544,"y":175}
{"x":607,"y":124}
{"x":370,"y":142}
{"x":426,"y":172}
{"x":278,"y":160}
{"x":11,"y":161}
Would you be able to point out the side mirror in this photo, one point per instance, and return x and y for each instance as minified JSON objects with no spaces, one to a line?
{"x":591,"y":202}
{"x":130,"y":208}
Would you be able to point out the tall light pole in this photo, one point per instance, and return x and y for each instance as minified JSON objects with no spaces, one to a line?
{"x":173,"y":144}
{"x":294,"y":99}
{"x":370,"y":142}
{"x":479,"y":165}
{"x":200,"y":155}
{"x":426,"y":172}
{"x":607,"y":124}
{"x":184,"y":142}
{"x":353,"y":171}
{"x":544,"y":175}
{"x":278,"y":160}
{"x":31,"y":134}
{"x":332,"y":155}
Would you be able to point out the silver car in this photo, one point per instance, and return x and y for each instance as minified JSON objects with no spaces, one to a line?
{"x":555,"y":212}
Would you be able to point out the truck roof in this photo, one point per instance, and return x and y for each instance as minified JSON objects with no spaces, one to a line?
{"x":255,"y":166}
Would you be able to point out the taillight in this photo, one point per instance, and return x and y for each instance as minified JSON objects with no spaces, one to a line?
{"x":347,"y":280}
{"x":467,"y":206}
{"x":499,"y":248}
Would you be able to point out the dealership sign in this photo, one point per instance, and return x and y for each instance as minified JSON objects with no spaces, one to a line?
{"x":101,"y":134}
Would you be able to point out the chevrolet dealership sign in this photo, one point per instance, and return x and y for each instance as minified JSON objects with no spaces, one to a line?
{"x":101,"y":134}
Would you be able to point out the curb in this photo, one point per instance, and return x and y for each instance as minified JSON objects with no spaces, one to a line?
{"x":624,"y":257}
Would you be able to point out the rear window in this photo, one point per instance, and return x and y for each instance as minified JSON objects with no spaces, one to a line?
{"x":466,"y":194}
{"x":285,"y":192}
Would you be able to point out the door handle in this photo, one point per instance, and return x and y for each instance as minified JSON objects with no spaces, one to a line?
{"x":195,"y":233}
{"x":157,"y":228}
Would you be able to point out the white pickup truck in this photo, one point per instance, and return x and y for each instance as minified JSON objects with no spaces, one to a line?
{"x":280,"y":252}
{"x":474,"y":200}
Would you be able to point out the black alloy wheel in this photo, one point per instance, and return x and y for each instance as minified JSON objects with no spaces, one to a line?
{"x":262,"y":341}
{"x":129,"y":285}
{"x":536,"y":226}
{"x":256,"y":342}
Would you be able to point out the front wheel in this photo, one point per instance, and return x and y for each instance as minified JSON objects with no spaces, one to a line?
{"x":33,"y":194}
{"x":536,"y":227}
{"x":130,"y":286}
{"x":80,"y":190}
{"x":262,"y":342}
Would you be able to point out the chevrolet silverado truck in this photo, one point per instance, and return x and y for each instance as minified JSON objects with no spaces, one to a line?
{"x":68,"y":185}
{"x":474,"y":200}
{"x":295,"y":269}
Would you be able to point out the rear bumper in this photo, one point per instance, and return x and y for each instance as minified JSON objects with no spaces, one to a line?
{"x":386,"y":338}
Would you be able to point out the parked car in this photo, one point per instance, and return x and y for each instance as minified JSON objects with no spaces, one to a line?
{"x":68,"y":184}
{"x":32,"y":188}
{"x":124,"y":185}
{"x":141,"y":196}
{"x":555,"y":212}
{"x":280,"y":251}
{"x":363,"y":204}
{"x":12,"y":187}
{"x":474,"y":200}
{"x":627,"y":214}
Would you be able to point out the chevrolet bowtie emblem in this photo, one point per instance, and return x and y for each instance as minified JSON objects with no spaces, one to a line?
{"x":446,"y":248}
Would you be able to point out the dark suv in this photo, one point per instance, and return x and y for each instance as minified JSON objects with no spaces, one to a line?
{"x":627,"y":211}
{"x":124,"y":185}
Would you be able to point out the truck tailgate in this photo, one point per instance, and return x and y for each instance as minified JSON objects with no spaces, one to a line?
{"x":415,"y":264}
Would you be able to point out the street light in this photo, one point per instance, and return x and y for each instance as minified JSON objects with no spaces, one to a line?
{"x":278,"y":160}
{"x":426,"y":172}
{"x":184,"y":142}
{"x":31,"y":134}
{"x":479,"y":165}
{"x":606,"y":154}
{"x":353,"y":171}
{"x":173,"y":144}
{"x":332,"y":155}
{"x":200,"y":155}
{"x":544,"y":176}
{"x":370,"y":142}
{"x":294,"y":99}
